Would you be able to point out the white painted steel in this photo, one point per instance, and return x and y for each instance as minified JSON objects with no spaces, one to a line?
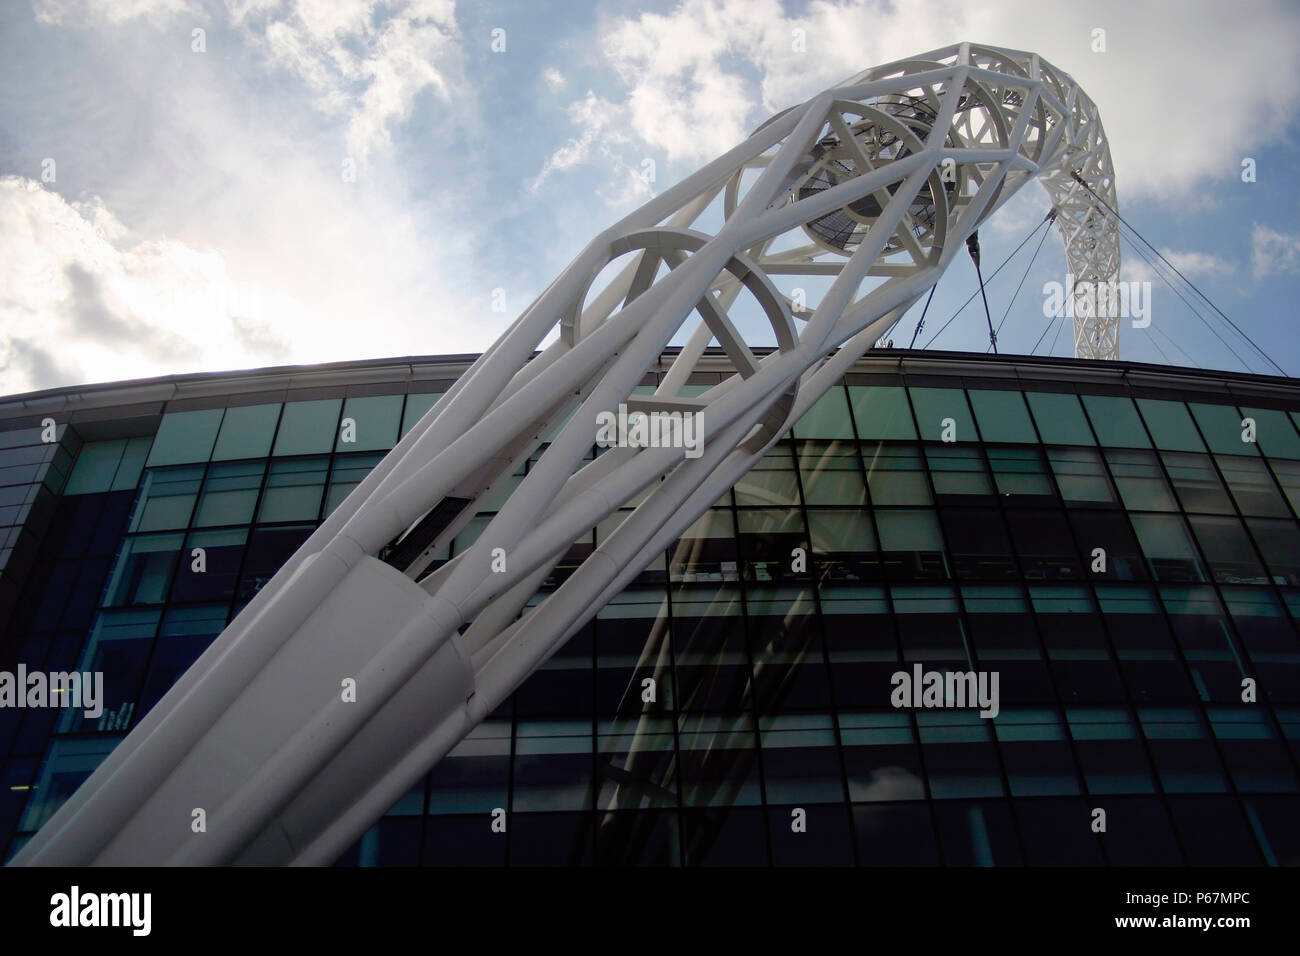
{"x":871,"y":187}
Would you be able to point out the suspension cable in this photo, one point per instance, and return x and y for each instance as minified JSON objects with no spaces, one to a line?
{"x":1080,"y":180}
{"x":1051,"y":217}
{"x":921,"y":324}
{"x":992,"y":276}
{"x":973,"y":247}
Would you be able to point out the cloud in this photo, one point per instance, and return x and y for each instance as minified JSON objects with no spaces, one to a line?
{"x":368,"y":62}
{"x":696,"y":79}
{"x":553,"y":78}
{"x":600,"y":125}
{"x":1273,"y":253}
{"x":81,"y":294}
{"x":81,"y":12}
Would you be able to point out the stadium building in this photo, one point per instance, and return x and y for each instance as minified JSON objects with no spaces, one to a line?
{"x":1117,"y":543}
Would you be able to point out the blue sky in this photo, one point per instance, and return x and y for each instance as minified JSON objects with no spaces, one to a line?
{"x":327,"y":180}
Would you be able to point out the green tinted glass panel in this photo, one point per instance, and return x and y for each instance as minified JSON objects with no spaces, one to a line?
{"x":417,"y":403}
{"x":1116,"y":421}
{"x":247,"y":432}
{"x":308,"y":428}
{"x":230,"y":494}
{"x":1273,"y":432}
{"x":1222,"y":428}
{"x":934,"y":405}
{"x":167,"y":498}
{"x":294,"y":490}
{"x":132,"y":464}
{"x":828,"y":418}
{"x":373,"y":425}
{"x":1060,"y":418}
{"x":96,"y":466}
{"x":1170,"y":425}
{"x":881,"y":412}
{"x":185,"y":437}
{"x":1002,"y":416}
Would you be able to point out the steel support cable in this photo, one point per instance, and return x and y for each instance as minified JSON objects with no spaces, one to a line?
{"x":1223,"y":315}
{"x":1155,"y":268}
{"x":993,"y":275}
{"x":921,"y":323}
{"x":1032,"y":259}
{"x":973,"y":247}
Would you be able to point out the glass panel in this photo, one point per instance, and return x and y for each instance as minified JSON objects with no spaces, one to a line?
{"x":882,"y":412}
{"x":1081,"y":476}
{"x":66,"y":768}
{"x":118,"y":648}
{"x":1036,"y":751}
{"x":1179,"y":741}
{"x":96,"y":465}
{"x":349,"y":470}
{"x":632,"y":645}
{"x":1202,"y":630}
{"x":1221,"y":425}
{"x":167,"y":498}
{"x":1228,"y":550}
{"x":246,"y":432}
{"x":1021,"y":476}
{"x":1279,"y":541}
{"x":268,"y":549}
{"x":895,"y":475}
{"x":185,"y":437}
{"x":1168,"y":548}
{"x":771,"y":482}
{"x":374,"y":422}
{"x":960,"y":757}
{"x":785,"y":644}
{"x":911,"y":544}
{"x":1288,"y":476}
{"x":1252,"y":486}
{"x":1002,"y":416}
{"x":1116,"y":422}
{"x":186,"y":633}
{"x":719,"y":760}
{"x":1170,"y":425}
{"x":474,"y":777}
{"x":801,"y":761}
{"x":294,"y":490}
{"x":230,"y":494}
{"x":308,"y":428}
{"x":1044,"y":545}
{"x":1197,"y":484}
{"x":636,"y":763}
{"x":133,"y":459}
{"x":978,"y":544}
{"x":958,"y":474}
{"x":936,"y":405}
{"x":210,"y":576}
{"x":417,"y":403}
{"x":144,"y":569}
{"x":1121,"y":559}
{"x":832,"y":474}
{"x":1274,"y":432}
{"x":1109,"y":750}
{"x":1141,"y":483}
{"x":828,"y":418}
{"x":552,"y":767}
{"x":767,"y":538}
{"x":881,"y":757}
{"x":1269,"y":639}
{"x":1060,"y":419}
{"x":706,"y":550}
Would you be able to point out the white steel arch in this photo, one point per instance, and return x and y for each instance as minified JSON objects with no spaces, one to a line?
{"x":873,"y":185}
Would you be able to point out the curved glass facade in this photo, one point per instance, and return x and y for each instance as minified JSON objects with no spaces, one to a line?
{"x":1120,"y":562}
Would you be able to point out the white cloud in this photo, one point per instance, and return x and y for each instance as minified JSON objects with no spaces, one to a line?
{"x":553,"y":78}
{"x":698,"y":78}
{"x":80,"y":12}
{"x":368,"y":61}
{"x":1273,"y":253}
{"x":601,"y":130}
{"x":82,"y":295}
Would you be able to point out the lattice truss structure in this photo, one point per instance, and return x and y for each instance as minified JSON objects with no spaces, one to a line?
{"x":869,"y":188}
